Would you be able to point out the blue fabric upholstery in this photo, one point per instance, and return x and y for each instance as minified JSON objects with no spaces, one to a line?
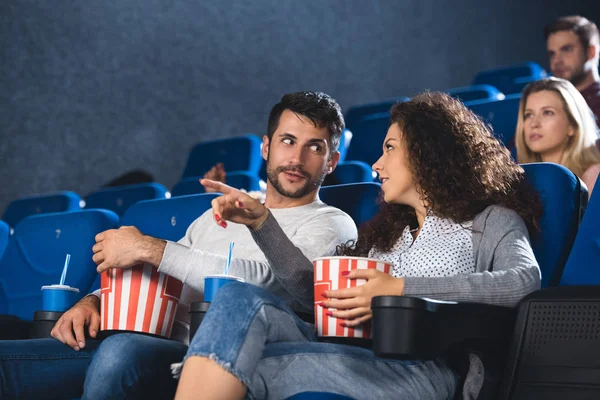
{"x":564,"y":200}
{"x":238,"y":180}
{"x":501,"y":114}
{"x":511,"y":79}
{"x":355,"y":114}
{"x":237,"y":154}
{"x":120,"y":198}
{"x":4,"y":233}
{"x":36,"y":254}
{"x":352,"y":172}
{"x":359,"y":200}
{"x":49,"y":203}
{"x":476,"y":92}
{"x":344,"y":143}
{"x":368,"y":134}
{"x":583,"y":265}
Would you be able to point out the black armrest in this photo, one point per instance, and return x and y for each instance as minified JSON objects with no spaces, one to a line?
{"x":555,"y":346}
{"x":417,"y":328}
{"x":12,"y":328}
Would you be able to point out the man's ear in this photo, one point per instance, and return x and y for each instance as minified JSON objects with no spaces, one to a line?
{"x":591,"y":52}
{"x":265,"y":147}
{"x":333,"y":162}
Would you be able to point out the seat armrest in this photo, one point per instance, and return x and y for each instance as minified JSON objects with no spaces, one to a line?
{"x":420,"y":328}
{"x":12,"y":328}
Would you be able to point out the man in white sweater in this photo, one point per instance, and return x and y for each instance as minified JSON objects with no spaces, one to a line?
{"x":300,"y":147}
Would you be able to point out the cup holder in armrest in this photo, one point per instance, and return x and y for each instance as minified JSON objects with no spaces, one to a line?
{"x":419,"y":328}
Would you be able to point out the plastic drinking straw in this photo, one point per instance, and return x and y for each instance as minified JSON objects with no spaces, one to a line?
{"x":229,"y":258}
{"x":65,"y":268}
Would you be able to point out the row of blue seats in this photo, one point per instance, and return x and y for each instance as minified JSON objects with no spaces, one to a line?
{"x":120,"y":198}
{"x":34,"y":253}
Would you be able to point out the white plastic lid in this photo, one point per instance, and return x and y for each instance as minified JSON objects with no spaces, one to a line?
{"x":223,"y":276}
{"x":60,"y":287}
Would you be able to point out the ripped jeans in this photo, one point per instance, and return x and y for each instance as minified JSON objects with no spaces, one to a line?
{"x":257,"y":338}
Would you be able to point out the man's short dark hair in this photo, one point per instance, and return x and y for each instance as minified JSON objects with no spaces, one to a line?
{"x":586,"y":30}
{"x":320,"y":108}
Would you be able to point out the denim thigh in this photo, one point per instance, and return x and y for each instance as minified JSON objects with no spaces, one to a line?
{"x":290,"y":368}
{"x":43,"y":368}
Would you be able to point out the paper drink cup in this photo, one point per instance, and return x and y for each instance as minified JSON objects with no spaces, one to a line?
{"x":328,"y":277}
{"x":59,"y":297}
{"x":213,"y":283}
{"x":138,"y":299}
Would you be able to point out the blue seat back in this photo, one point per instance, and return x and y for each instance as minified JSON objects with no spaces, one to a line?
{"x":237,"y":154}
{"x":583,"y":265}
{"x":4,"y":233}
{"x":36,"y":254}
{"x":511,"y":79}
{"x":368,"y":136}
{"x":168,"y":218}
{"x":238,"y":180}
{"x":48,"y":203}
{"x":120,"y":198}
{"x":350,"y":172}
{"x":476,"y":92}
{"x":564,"y":200}
{"x":501,"y":115}
{"x":359,"y":200}
{"x":345,"y":141}
{"x":356,"y":113}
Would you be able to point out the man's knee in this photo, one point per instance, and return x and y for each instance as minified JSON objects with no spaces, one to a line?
{"x":115,"y":355}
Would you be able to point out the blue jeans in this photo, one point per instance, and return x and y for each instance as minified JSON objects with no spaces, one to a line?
{"x":123,"y":366}
{"x":258,"y":339}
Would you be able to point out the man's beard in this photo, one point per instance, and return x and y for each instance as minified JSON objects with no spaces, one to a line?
{"x":578,"y":77}
{"x":310,"y":184}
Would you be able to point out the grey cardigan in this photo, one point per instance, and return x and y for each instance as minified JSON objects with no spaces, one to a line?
{"x":505,"y":268}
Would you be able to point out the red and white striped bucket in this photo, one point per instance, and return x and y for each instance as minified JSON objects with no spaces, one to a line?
{"x":328,"y":277}
{"x":139,"y":299}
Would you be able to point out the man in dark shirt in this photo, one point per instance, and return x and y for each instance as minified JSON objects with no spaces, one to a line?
{"x":573,"y":46}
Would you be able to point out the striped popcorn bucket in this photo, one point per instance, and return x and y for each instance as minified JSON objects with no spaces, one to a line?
{"x":328,"y":277}
{"x":138,"y":299}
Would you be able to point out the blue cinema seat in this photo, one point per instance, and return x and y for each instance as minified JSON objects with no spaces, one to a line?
{"x":4,"y":234}
{"x":240,"y":153}
{"x":564,"y":200}
{"x":356,"y":113}
{"x":42,"y":204}
{"x":359,"y":200}
{"x":502,"y":115}
{"x":120,"y":198}
{"x":368,"y":135}
{"x":238,"y":180}
{"x":583,"y":265}
{"x":511,"y":79}
{"x":476,"y":92}
{"x":166,"y":219}
{"x":36,"y":254}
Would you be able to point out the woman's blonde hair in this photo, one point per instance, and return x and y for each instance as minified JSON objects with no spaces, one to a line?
{"x":582,"y":150}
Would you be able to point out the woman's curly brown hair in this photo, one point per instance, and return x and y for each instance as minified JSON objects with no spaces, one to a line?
{"x":459,"y":168}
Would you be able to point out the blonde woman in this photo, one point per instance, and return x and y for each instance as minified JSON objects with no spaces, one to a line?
{"x":556,"y":125}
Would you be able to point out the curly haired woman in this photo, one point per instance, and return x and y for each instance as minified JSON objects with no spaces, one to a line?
{"x":455,"y":225}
